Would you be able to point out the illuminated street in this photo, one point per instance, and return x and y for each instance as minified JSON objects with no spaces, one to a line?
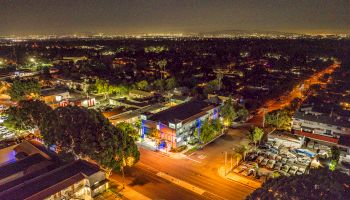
{"x":297,"y":92}
{"x":175,"y":100}
{"x":200,"y":169}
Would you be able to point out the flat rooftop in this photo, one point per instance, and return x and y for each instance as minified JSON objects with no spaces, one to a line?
{"x":15,"y":167}
{"x":324,"y":119}
{"x":51,"y":182}
{"x":182,"y":112}
{"x":52,"y":91}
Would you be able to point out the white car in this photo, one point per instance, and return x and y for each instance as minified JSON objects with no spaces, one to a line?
{"x":278,"y":166}
{"x":293,"y":170}
{"x":270,"y":164}
{"x":278,"y":158}
{"x":301,"y":171}
{"x":291,"y":160}
{"x":264,"y":162}
{"x":285,"y":168}
{"x":259,"y":159}
{"x":284,"y":160}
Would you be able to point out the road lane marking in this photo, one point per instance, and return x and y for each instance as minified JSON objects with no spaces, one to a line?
{"x":193,"y":159}
{"x":181,"y":183}
{"x":133,"y":194}
{"x":156,"y":171}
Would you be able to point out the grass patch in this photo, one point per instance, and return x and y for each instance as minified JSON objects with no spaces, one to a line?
{"x":193,"y":149}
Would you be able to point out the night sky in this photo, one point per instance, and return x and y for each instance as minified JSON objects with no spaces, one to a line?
{"x":23,"y":17}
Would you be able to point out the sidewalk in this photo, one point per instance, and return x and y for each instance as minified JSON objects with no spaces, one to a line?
{"x":132,"y":194}
{"x":238,"y":178}
{"x":116,"y":191}
{"x":150,"y":145}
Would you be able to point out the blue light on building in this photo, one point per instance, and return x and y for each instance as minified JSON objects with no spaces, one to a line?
{"x":216,"y":113}
{"x":142,"y":129}
{"x":199,"y":127}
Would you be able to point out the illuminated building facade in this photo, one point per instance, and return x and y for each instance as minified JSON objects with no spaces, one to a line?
{"x":175,"y":126}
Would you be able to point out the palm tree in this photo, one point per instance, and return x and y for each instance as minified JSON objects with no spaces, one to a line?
{"x":243,"y":150}
{"x":162,"y":64}
{"x":238,"y":158}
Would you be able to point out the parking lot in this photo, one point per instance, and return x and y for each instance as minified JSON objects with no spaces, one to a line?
{"x":272,"y":160}
{"x":4,"y":132}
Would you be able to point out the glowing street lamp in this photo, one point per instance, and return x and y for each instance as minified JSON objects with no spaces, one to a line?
{"x":32,"y":60}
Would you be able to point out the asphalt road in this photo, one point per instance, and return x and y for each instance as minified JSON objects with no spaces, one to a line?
{"x":199,"y":169}
{"x":297,"y":92}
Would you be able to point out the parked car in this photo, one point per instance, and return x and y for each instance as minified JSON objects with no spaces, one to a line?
{"x":284,"y":160}
{"x":270,"y":164}
{"x":252,"y":157}
{"x":265,"y":146}
{"x":285,"y":168}
{"x":291,"y":160}
{"x":301,"y":171}
{"x":283,"y":173}
{"x":273,"y":150}
{"x":264,"y":162}
{"x":278,"y":166}
{"x":259,"y":159}
{"x":262,"y":152}
{"x":278,"y":158}
{"x":293,"y":170}
{"x":248,"y":172}
{"x":251,"y":171}
{"x":273,"y":156}
{"x":239,"y":169}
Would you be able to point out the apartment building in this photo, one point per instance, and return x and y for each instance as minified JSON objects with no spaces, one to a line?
{"x":176,"y":125}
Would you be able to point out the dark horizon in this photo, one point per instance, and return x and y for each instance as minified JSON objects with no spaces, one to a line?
{"x":39,"y":17}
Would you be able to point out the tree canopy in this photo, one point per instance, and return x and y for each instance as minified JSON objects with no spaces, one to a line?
{"x":85,"y":133}
{"x":280,"y":119}
{"x":129,"y":130}
{"x":22,"y":89}
{"x":89,"y":135}
{"x":141,"y":85}
{"x":209,"y":129}
{"x":318,"y":184}
{"x":228,"y":112}
{"x":103,"y":87}
{"x":256,"y":135}
{"x":28,"y":114}
{"x":242,"y":113}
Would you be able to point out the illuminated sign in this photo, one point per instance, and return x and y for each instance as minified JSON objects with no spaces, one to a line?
{"x":171,"y":125}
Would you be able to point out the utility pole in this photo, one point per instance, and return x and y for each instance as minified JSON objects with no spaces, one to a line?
{"x":225,"y":161}
{"x":231,"y":163}
{"x":264,"y":113}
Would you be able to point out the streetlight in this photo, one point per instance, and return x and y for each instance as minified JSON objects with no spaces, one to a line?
{"x":32,"y":60}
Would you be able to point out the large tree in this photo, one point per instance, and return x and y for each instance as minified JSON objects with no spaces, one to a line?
{"x":129,"y":129}
{"x":256,"y":135}
{"x":207,"y":131}
{"x":227,"y":112}
{"x":242,"y":113}
{"x":318,"y":184}
{"x":87,"y":133}
{"x":280,"y":119}
{"x":22,"y":89}
{"x":141,"y":85}
{"x":28,"y":114}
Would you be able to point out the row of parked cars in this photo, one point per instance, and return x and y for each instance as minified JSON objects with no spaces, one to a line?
{"x":249,"y":169}
{"x":275,"y":158}
{"x":5,"y":133}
